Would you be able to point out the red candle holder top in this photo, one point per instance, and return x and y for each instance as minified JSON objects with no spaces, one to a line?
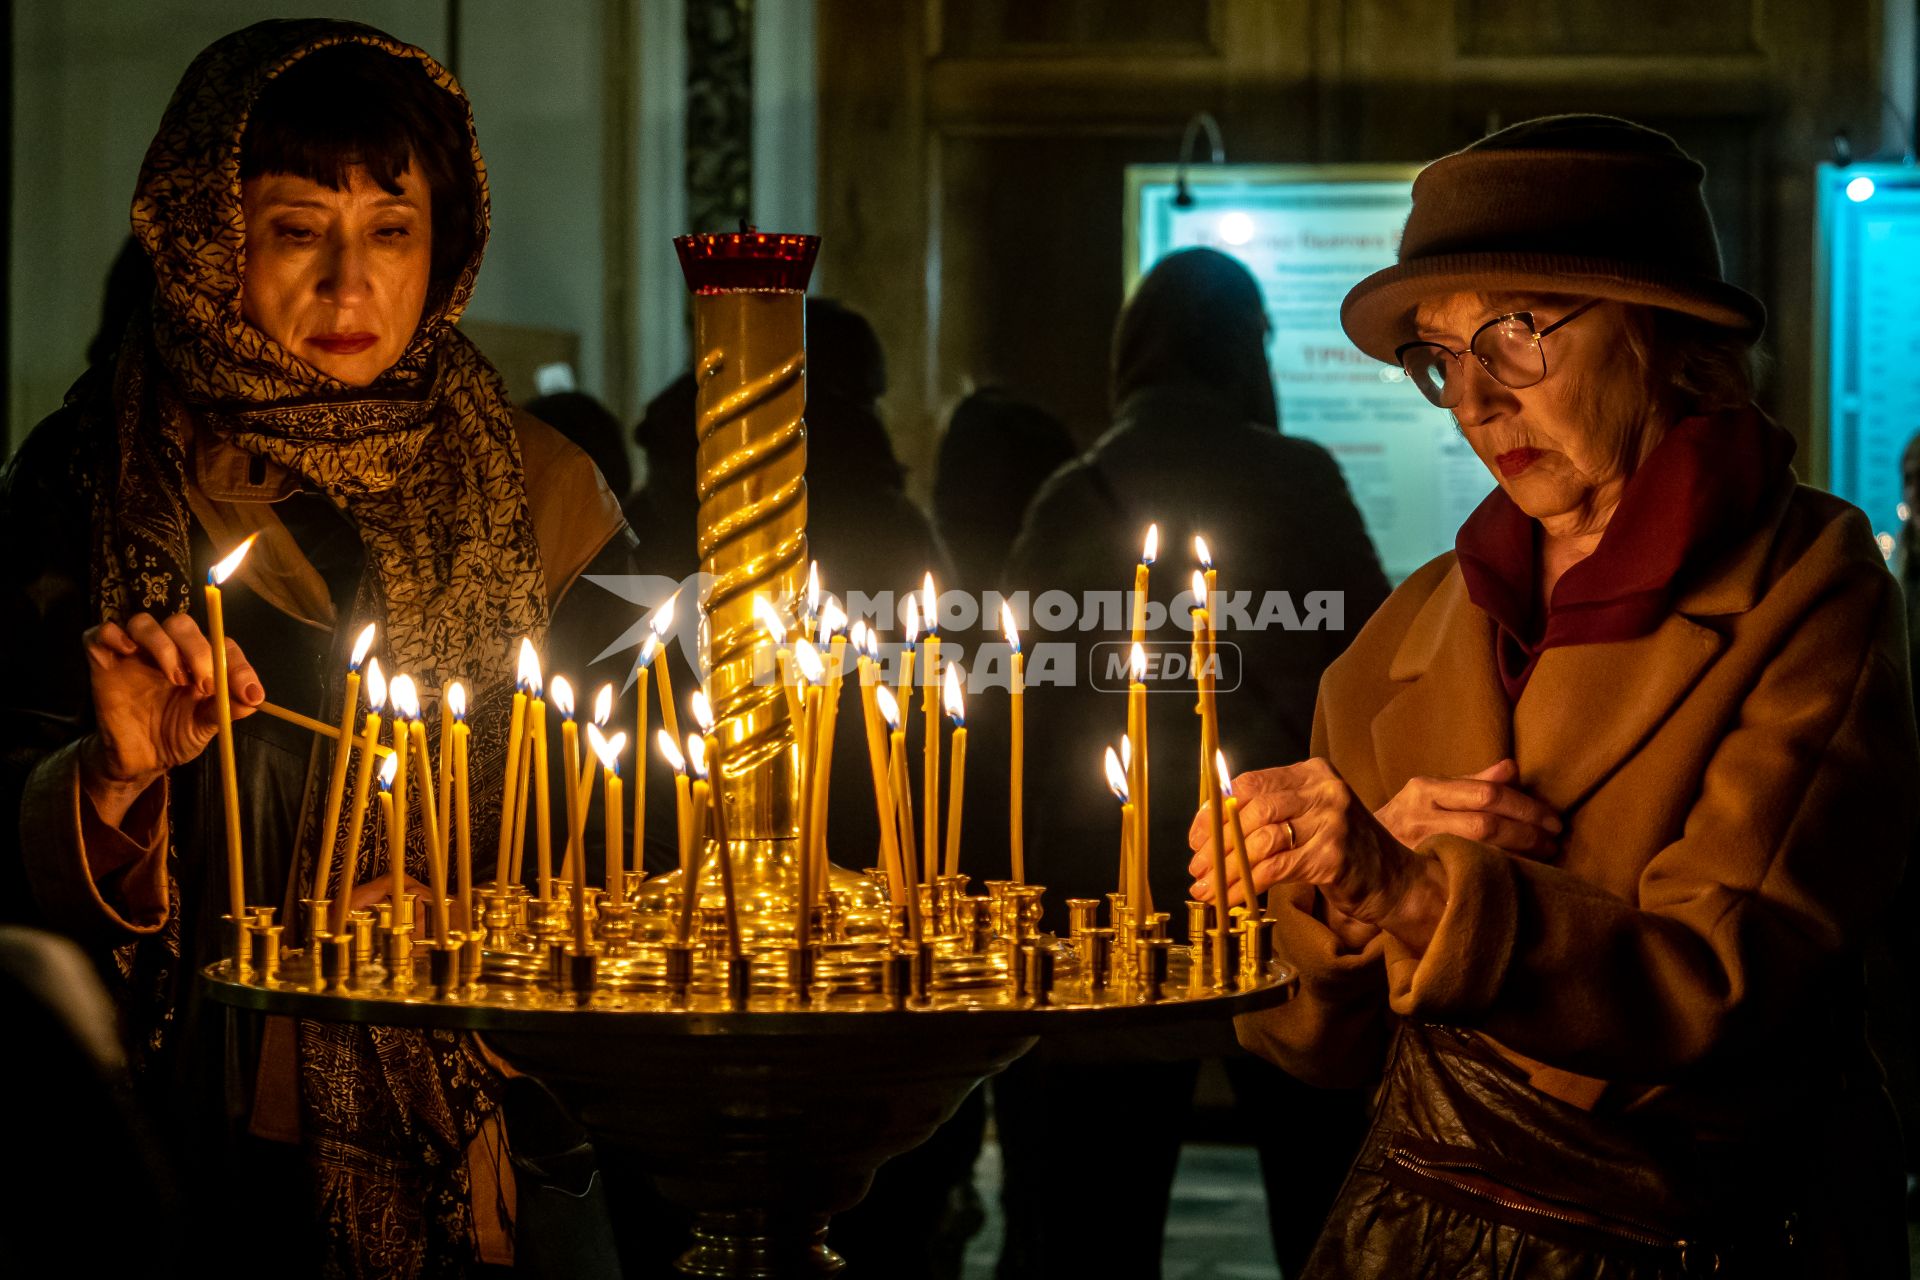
{"x":727,"y":261}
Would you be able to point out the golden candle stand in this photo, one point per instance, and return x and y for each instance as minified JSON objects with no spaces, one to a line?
{"x":761,"y":1105}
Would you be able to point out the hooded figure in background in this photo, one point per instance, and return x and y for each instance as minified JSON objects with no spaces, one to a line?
{"x":296,"y":376}
{"x":1195,"y":447}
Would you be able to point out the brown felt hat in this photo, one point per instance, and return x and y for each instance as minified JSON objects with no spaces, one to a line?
{"x":1580,"y":204}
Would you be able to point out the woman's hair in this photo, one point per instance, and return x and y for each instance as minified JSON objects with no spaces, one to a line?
{"x":350,"y":105}
{"x":1699,"y":368}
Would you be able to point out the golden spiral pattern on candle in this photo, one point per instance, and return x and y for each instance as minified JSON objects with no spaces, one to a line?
{"x":752,"y":489}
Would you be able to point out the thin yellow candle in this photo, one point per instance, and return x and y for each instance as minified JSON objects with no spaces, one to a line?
{"x":362,"y":776}
{"x":813,"y":714}
{"x":722,"y":839}
{"x":462,"y":803}
{"x":319,"y":728}
{"x":223,"y":707}
{"x":569,"y":797}
{"x":583,"y":785}
{"x":810,"y":619}
{"x":542,"y":796}
{"x":388,"y":770}
{"x":1241,"y":863}
{"x":642,"y":671}
{"x":1139,"y":893}
{"x":430,"y":826}
{"x":957,"y":788}
{"x":661,"y":623}
{"x":831,"y":620}
{"x":1017,"y":750}
{"x":683,"y":804}
{"x":510,"y":773}
{"x":444,"y":771}
{"x":522,"y":784}
{"x":877,"y":764}
{"x":776,"y":628}
{"x":1117,"y":783}
{"x":911,"y":628}
{"x":1125,"y":757}
{"x":406,"y":704}
{"x":930,"y":751}
{"x":902,"y":805}
{"x":1216,"y":815}
{"x":699,"y":795}
{"x":608,"y":750}
{"x":1203,"y":615}
{"x":323,"y":865}
{"x":1149,"y":552}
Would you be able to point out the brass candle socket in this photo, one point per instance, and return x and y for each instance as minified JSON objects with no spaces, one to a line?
{"x":997,"y":900}
{"x":362,"y":925}
{"x":316,"y":918}
{"x":583,"y":973}
{"x":1041,"y":959}
{"x":1256,"y":951}
{"x":800,"y":972}
{"x":239,"y":945}
{"x":336,"y":961}
{"x":922,"y":971}
{"x":400,"y":956}
{"x":1096,"y":959}
{"x":443,"y":969}
{"x":266,"y":953}
{"x":679,"y":968}
{"x":896,"y":976}
{"x":976,"y":924}
{"x":739,"y":981}
{"x":615,"y":921}
{"x":1152,"y":963}
{"x":1082,"y":914}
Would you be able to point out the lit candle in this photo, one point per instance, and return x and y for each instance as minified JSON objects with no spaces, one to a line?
{"x":1209,"y":747}
{"x":833,"y":622}
{"x":431,"y":826}
{"x":683,"y":804}
{"x":542,"y":791}
{"x":323,"y":865}
{"x":695,"y":838}
{"x":223,"y":706}
{"x":1149,"y":552}
{"x":813,"y":672}
{"x":812,"y":617}
{"x":1017,"y":735}
{"x":956,"y":708}
{"x":662,"y":623}
{"x":462,"y":804}
{"x":877,"y":762}
{"x":1241,"y":863}
{"x":1203,"y":615}
{"x":389,"y":770}
{"x":770,"y":621}
{"x":569,"y":770}
{"x":1117,"y":783}
{"x":609,"y":749}
{"x":444,"y":770}
{"x":510,"y":772}
{"x":583,"y":786}
{"x":406,"y":706}
{"x":902,"y":805}
{"x":643,"y":669}
{"x":930,"y":752}
{"x":1126,"y":836}
{"x":1142,"y":898}
{"x":362,"y":776}
{"x":911,"y":630}
{"x":709,"y":757}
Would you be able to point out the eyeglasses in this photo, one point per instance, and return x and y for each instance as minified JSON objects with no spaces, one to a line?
{"x":1508,"y":347}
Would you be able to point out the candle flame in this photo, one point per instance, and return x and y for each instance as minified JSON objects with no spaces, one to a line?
{"x":225,"y":569}
{"x":807,"y":658}
{"x":1220,"y":770}
{"x":603,"y":704}
{"x":929,"y":605}
{"x":1150,"y":549}
{"x":813,"y":588}
{"x":697,"y":755}
{"x":649,"y":647}
{"x":1202,"y":552}
{"x":457,"y":700}
{"x":1199,"y":589}
{"x":670,"y":751}
{"x":1116,"y":776}
{"x":702,"y":710}
{"x":912,"y":623}
{"x":529,"y":668}
{"x":833,"y":619}
{"x":951,"y":698}
{"x":1137,"y":665}
{"x":376,"y":687}
{"x":769,"y":619}
{"x":563,"y":697}
{"x":860,"y":637}
{"x":406,"y":697}
{"x":388,"y":772}
{"x":888,"y":708}
{"x":1006,"y":626}
{"x":662,"y":620}
{"x":1126,"y":751}
{"x":608,"y":749}
{"x":360,"y":646}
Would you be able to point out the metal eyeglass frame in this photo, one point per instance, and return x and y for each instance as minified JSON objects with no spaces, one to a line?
{"x":1459,"y":357}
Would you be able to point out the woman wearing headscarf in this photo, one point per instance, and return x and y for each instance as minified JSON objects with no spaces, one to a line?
{"x":314,"y":208}
{"x":1195,"y":446}
{"x":1612,"y":999}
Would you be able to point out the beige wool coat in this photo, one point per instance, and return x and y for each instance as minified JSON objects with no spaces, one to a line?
{"x":1738,"y":789}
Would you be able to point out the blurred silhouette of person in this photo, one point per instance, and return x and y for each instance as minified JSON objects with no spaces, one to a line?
{"x":128,"y":290}
{"x":593,"y":429}
{"x":1196,"y":447}
{"x":995,"y":455}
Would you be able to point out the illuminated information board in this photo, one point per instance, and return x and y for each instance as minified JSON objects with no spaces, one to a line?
{"x":1308,"y":233}
{"x":1867,"y":330}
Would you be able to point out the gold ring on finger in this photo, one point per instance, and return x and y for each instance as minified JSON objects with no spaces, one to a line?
{"x":1293,"y":841}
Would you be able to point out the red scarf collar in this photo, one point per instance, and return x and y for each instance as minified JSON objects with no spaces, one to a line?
{"x":1698,"y":493}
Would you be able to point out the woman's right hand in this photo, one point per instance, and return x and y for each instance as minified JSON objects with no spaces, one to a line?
{"x":1483,"y":806}
{"x":153,"y":704}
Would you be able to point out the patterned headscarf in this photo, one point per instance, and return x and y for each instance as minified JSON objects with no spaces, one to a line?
{"x":425,"y":460}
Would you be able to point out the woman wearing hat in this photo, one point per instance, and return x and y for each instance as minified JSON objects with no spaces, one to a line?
{"x":1603,"y":804}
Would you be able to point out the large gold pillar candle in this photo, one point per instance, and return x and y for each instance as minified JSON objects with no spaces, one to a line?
{"x":750,"y":366}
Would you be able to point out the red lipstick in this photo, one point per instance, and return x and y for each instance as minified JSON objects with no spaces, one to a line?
{"x":1514,"y":461}
{"x":344,"y":344}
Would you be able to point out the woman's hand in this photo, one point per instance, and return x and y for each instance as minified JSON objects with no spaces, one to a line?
{"x":1483,"y":806}
{"x":376,"y":890}
{"x":1304,"y":825}
{"x":153,"y":704}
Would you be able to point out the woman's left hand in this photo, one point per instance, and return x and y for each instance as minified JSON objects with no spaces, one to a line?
{"x":1304,"y":825}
